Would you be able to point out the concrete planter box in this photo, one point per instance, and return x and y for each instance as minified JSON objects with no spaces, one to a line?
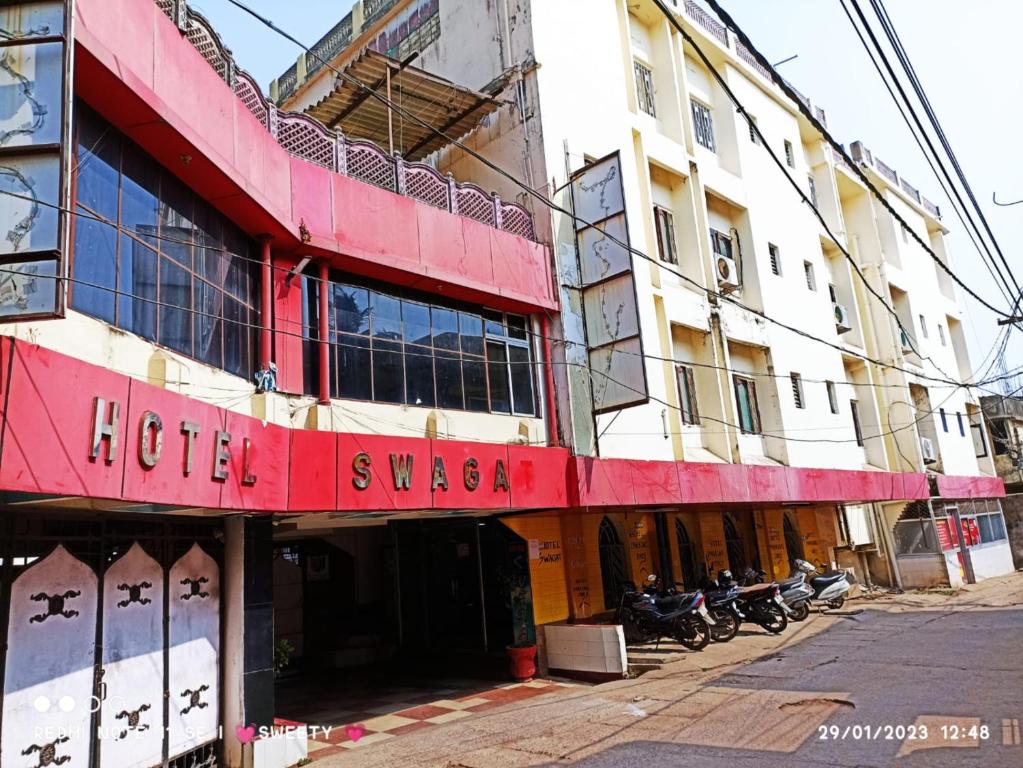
{"x":585,"y":651}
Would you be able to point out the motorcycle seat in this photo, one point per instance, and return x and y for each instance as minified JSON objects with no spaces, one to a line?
{"x":756,"y":590}
{"x":828,"y":578}
{"x":795,"y":581}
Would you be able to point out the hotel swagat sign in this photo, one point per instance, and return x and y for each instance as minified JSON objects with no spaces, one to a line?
{"x":35,"y":120}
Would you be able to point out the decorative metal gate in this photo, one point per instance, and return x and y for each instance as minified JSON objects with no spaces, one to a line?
{"x":112,"y":629}
{"x":733,"y":545}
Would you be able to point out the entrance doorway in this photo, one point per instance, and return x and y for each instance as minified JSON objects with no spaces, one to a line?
{"x":614,"y":573}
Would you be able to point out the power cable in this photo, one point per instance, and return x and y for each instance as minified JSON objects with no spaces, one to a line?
{"x":835,"y":145}
{"x":943,"y":177}
{"x":555,"y":207}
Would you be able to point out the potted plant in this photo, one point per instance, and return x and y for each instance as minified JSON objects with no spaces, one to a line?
{"x":521,"y":653}
{"x":282,"y":655}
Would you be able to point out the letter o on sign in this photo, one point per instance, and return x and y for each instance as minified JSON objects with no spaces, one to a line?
{"x":150,"y":439}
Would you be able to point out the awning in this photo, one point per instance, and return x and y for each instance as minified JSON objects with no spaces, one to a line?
{"x":453,"y":109}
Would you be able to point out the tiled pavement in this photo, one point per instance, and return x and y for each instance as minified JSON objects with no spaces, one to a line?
{"x":397,"y":713}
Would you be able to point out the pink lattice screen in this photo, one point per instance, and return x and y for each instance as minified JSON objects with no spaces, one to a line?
{"x":367,"y":162}
{"x":424,"y":183}
{"x":474,"y":203}
{"x":306,"y":138}
{"x":250,"y":95}
{"x":517,"y":220}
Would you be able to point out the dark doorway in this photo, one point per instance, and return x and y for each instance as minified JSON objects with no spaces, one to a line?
{"x":613,"y":572}
{"x":793,"y":541}
{"x":453,"y":586}
{"x":686,"y":556}
{"x":733,"y":545}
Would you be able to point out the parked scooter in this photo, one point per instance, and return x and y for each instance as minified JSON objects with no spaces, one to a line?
{"x":761,"y":603}
{"x":646,"y":617}
{"x":829,"y":587}
{"x":795,"y":592}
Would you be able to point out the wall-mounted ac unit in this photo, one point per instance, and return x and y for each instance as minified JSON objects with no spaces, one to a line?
{"x":842,"y":322}
{"x":727,"y":273}
{"x":927,"y":449}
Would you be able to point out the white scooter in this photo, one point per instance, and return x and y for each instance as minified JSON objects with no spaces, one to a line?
{"x":829,"y":587}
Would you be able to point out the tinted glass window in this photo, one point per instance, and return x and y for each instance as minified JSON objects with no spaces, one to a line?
{"x":179,"y":273}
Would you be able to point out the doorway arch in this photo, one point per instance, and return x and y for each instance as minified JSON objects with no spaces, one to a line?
{"x":734,"y":547}
{"x":613,"y":570}
{"x":686,"y":556}
{"x":793,"y":540}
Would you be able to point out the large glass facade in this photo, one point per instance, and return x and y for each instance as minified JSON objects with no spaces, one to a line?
{"x":152,"y":258}
{"x":392,"y":347}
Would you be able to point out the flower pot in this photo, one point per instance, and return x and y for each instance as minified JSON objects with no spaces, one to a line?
{"x":523,"y":665}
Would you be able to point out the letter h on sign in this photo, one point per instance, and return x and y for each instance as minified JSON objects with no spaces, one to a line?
{"x":105,"y":430}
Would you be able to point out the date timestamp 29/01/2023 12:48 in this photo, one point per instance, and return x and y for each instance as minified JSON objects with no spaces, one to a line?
{"x":946,"y":732}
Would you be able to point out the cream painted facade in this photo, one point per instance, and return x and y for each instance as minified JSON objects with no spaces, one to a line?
{"x":577,"y":99}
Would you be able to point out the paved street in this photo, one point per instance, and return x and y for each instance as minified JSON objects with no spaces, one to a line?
{"x":938,"y":667}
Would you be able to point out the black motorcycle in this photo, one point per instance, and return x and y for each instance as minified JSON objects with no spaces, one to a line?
{"x":723,"y":608}
{"x":647,"y":617}
{"x":760,"y":603}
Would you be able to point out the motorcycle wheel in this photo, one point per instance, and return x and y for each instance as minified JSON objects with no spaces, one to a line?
{"x":693,"y":633}
{"x":631,"y":628}
{"x":773,"y":618}
{"x":837,"y":603}
{"x":800,"y":611}
{"x":725,"y":627}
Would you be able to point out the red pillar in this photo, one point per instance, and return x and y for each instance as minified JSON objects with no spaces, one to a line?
{"x":548,"y":370}
{"x":324,"y":346}
{"x":266,"y":308}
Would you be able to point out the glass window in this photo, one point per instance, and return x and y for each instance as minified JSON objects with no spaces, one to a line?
{"x":497,"y":362}
{"x":790,"y":157}
{"x":179,"y":273}
{"x":832,"y":397}
{"x":772,"y":252}
{"x":687,"y":394}
{"x":394,"y":347}
{"x":703,"y":125}
{"x":665,"y":225}
{"x":645,"y":89}
{"x":746,"y":399}
{"x":811,"y":280}
{"x":797,"y":390}
{"x":854,"y":407}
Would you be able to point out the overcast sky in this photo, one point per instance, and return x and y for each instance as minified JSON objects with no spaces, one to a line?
{"x":967,"y":55}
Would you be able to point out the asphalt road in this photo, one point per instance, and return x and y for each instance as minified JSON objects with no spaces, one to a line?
{"x":916,"y":681}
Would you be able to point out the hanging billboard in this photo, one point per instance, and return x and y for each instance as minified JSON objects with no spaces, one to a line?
{"x":35,"y":119}
{"x":608,"y":287}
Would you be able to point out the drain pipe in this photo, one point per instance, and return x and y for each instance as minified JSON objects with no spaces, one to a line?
{"x":548,"y":376}
{"x":266,"y":306}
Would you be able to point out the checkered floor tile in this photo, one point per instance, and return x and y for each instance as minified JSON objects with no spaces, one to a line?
{"x":388,"y":716}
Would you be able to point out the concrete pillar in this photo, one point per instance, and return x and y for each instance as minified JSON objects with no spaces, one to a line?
{"x":232,"y":651}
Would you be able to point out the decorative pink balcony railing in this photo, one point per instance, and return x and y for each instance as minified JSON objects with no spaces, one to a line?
{"x":363,"y":160}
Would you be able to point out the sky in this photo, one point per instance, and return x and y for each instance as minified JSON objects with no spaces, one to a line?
{"x":966,"y":54}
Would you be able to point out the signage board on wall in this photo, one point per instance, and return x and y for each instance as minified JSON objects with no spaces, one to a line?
{"x":608,"y":286}
{"x":35,"y":120}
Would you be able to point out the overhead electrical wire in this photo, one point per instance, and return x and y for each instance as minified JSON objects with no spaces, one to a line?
{"x":560,"y":209}
{"x":835,"y":145}
{"x":942,"y":176}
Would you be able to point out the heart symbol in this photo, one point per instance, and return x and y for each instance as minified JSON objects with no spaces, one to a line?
{"x":245,"y":735}
{"x":355,"y":732}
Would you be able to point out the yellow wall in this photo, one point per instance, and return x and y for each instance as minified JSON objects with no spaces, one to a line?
{"x":712,"y":539}
{"x":547,"y":571}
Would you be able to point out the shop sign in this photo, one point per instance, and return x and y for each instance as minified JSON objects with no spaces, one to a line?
{"x":106,"y":424}
{"x":402,"y":466}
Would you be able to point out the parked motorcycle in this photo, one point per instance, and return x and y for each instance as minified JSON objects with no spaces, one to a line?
{"x":723,"y":608}
{"x":761,"y":603}
{"x":646,"y":616}
{"x":829,"y":587}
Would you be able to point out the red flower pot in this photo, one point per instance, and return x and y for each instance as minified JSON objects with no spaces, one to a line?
{"x":523,"y":665}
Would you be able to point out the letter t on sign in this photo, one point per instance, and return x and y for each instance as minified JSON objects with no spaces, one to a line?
{"x":105,"y":430}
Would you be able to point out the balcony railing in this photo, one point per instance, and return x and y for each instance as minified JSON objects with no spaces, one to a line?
{"x":864,"y":156}
{"x":363,"y":160}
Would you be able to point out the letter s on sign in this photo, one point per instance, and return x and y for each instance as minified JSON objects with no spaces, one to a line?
{"x":360,"y":466}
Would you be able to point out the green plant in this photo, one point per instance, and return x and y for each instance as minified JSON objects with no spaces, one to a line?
{"x":282,"y":655}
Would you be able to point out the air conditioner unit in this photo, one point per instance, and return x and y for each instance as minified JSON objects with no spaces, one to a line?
{"x":927,"y":449}
{"x":727,"y":272}
{"x":842,"y":322}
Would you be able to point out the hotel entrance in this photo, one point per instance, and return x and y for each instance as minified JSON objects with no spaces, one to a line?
{"x":377,"y":617}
